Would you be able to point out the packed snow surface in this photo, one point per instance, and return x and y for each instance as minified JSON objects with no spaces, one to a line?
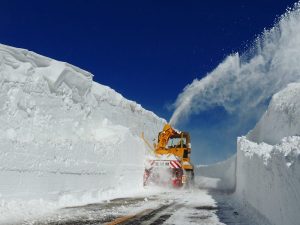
{"x":64,"y":139}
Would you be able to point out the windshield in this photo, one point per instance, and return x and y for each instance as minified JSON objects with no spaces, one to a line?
{"x":176,"y":142}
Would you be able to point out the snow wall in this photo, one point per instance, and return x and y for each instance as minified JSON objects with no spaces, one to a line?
{"x":266,"y":170}
{"x":268,"y":160}
{"x":220,"y":176}
{"x":64,"y":139}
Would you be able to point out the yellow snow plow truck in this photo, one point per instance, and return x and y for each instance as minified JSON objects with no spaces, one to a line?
{"x":171,"y":164}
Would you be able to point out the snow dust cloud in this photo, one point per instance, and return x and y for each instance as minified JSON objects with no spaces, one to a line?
{"x":243,"y":83}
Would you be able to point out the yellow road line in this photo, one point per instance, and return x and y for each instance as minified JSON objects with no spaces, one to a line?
{"x":128,"y":217}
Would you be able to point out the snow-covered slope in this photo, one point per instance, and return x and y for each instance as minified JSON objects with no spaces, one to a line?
{"x":268,"y":161}
{"x":64,"y":139}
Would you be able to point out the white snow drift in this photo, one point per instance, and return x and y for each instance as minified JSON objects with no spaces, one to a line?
{"x":64,"y":139}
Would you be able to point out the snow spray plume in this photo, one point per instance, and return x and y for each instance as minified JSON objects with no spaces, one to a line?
{"x":242,"y":83}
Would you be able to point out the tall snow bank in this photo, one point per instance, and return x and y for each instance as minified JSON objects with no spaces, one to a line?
{"x":63,"y":137}
{"x":268,"y":161}
{"x":282,"y":118}
{"x":220,"y":176}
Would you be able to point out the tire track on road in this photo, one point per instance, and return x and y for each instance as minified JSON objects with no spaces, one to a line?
{"x":149,"y":217}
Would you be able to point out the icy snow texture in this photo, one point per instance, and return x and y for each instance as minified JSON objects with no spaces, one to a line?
{"x":268,"y":176}
{"x":63,"y":137}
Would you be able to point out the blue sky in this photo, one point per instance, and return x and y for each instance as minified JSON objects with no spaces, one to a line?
{"x":146,"y":50}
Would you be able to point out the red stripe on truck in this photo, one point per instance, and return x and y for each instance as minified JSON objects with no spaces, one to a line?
{"x":175,"y":164}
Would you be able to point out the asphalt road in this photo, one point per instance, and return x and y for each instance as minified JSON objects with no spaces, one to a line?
{"x":169,"y":208}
